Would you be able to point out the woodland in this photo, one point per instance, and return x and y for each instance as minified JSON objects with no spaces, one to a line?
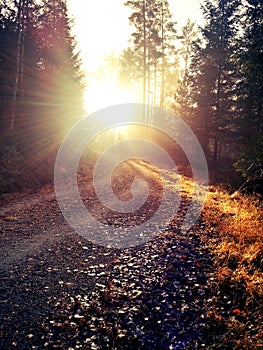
{"x":200,"y":289}
{"x":209,"y":76}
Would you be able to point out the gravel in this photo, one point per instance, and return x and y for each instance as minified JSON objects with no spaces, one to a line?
{"x":60,"y":291}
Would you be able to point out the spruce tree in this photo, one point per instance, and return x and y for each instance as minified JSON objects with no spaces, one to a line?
{"x":182,"y":97}
{"x":250,"y":58}
{"x":40,"y":75}
{"x":250,"y":95}
{"x":213,"y":76}
{"x":60,"y":76}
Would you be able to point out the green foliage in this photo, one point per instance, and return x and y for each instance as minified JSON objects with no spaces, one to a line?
{"x":212,"y":76}
{"x":221,"y":93}
{"x":49,"y":68}
{"x":25,"y":162}
{"x":250,"y":66}
{"x":250,"y":163}
{"x":182,"y":98}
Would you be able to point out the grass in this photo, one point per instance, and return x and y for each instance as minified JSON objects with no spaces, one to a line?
{"x":239,"y":222}
{"x":236,"y":223}
{"x":234,"y":231}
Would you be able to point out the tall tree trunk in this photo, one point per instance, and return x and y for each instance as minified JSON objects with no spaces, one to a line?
{"x":22,"y":58}
{"x":186,"y":60}
{"x":20,"y":24}
{"x":144,"y":51}
{"x":215,"y":152}
{"x":261,"y":119}
{"x":155,"y":83}
{"x":162,"y":102}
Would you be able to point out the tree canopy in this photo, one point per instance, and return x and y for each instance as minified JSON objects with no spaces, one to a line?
{"x":41,"y":85}
{"x":211,"y":76}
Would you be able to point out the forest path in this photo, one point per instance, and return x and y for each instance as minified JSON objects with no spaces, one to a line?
{"x":26,"y":226}
{"x":59,"y":290}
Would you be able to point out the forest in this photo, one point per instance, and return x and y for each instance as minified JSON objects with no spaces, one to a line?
{"x":200,"y":289}
{"x":41,"y":89}
{"x":211,"y":77}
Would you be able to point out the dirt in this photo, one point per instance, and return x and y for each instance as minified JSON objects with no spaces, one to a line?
{"x":154,"y":296}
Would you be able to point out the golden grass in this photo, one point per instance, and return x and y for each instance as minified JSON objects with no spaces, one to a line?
{"x":237,"y":224}
{"x":240,"y":225}
{"x":239,"y":221}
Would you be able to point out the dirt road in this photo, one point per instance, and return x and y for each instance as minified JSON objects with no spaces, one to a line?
{"x":60,"y":291}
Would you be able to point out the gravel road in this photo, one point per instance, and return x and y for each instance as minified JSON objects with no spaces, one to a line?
{"x":60,"y":291}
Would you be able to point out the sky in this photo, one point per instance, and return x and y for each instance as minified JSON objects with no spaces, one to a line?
{"x":102,"y":26}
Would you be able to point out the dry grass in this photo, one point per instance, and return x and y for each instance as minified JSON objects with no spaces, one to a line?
{"x":237,"y":225}
{"x":239,"y":220}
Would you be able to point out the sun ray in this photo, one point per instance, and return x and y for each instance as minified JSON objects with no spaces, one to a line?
{"x":106,"y":93}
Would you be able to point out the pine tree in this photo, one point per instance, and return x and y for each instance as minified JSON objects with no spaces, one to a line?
{"x":168,"y":33}
{"x":43,"y":69}
{"x":250,"y":57}
{"x":181,"y":104}
{"x":60,"y":76}
{"x":152,"y":45}
{"x":8,"y":39}
{"x":46,"y":71}
{"x":139,"y":36}
{"x":250,"y":95}
{"x":14,"y":15}
{"x":213,"y":76}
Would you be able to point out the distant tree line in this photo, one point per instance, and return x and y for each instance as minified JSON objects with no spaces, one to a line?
{"x":216,"y":72}
{"x":210,"y":76}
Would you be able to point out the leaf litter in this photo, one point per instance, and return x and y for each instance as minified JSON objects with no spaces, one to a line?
{"x":67,"y":293}
{"x":151,"y":297}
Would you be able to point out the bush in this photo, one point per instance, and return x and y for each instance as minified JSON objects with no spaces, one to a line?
{"x":250,"y":165}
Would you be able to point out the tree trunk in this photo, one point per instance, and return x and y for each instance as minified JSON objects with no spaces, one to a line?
{"x":162,"y":104}
{"x":155,"y":83}
{"x":144,"y":51}
{"x":20,"y":24}
{"x":215,"y":152}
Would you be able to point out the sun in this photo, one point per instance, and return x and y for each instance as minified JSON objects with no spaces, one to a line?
{"x":106,"y":93}
{"x":100,"y":27}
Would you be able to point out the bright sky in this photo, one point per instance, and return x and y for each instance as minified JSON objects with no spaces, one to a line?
{"x":101,"y":28}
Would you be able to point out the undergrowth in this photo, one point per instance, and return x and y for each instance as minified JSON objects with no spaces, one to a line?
{"x":237,"y":225}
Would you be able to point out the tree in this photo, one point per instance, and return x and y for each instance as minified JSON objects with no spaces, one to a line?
{"x":14,"y":17}
{"x":187,"y":38}
{"x":168,"y":33}
{"x":40,"y":75}
{"x":7,"y":63}
{"x":152,"y":44}
{"x":139,"y":37}
{"x":131,"y":68}
{"x":250,"y":164}
{"x":250,"y":60}
{"x":213,"y":76}
{"x":41,"y":59}
{"x":250,"y":95}
{"x":19,"y":54}
{"x":60,"y":76}
{"x":181,"y":105}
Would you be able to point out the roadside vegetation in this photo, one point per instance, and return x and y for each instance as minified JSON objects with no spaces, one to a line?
{"x":236,"y":221}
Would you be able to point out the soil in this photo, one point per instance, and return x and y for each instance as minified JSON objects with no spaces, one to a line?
{"x":61,"y":291}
